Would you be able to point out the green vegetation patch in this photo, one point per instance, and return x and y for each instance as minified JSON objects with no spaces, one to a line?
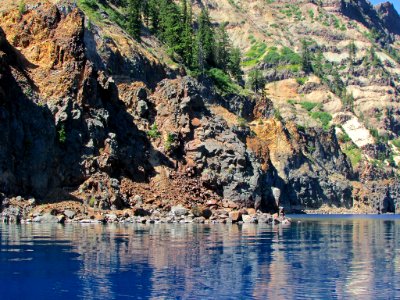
{"x":292,"y":10}
{"x":354,"y":154}
{"x":62,"y":135}
{"x":283,"y":56}
{"x":301,"y":80}
{"x":223,"y":82}
{"x":322,"y":116}
{"x":255,"y":54}
{"x":396,"y":143}
{"x":153,"y":133}
{"x":93,"y":8}
{"x":308,"y":106}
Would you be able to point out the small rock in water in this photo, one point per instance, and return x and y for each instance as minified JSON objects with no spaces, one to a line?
{"x":179,"y":210}
{"x":249,"y":219}
{"x":61,"y":219}
{"x":140,"y":212}
{"x":207,"y":213}
{"x":47,"y":218}
{"x":70,"y":214}
{"x":111,"y":217}
{"x":197,"y":211}
{"x":235,"y":216}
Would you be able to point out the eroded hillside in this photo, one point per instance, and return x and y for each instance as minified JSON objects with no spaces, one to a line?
{"x":353,"y":81}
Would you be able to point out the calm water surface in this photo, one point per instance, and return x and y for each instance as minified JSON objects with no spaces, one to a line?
{"x":318,"y":258}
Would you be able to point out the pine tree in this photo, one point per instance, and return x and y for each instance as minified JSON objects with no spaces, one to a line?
{"x":306,"y":57}
{"x":352,"y":55}
{"x":318,"y":64}
{"x":134,"y":18}
{"x":256,"y":80}
{"x":205,"y":41}
{"x":374,"y":59}
{"x":234,"y":64}
{"x":146,"y":12}
{"x":222,"y":48}
{"x":154,"y":15}
{"x":184,"y":8}
{"x":170,"y":26}
{"x":187,"y":36}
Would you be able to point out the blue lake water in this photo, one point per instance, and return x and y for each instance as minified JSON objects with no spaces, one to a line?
{"x":327,"y":257}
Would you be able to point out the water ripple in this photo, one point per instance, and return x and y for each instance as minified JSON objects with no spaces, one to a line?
{"x":314,"y":259}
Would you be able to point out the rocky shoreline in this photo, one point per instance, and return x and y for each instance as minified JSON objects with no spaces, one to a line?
{"x":17,"y":210}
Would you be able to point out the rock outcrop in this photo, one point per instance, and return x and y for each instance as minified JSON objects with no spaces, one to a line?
{"x":390,"y":17}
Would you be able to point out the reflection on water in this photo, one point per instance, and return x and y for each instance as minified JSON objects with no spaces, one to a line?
{"x":314,"y":259}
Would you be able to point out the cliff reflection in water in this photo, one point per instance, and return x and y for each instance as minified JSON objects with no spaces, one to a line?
{"x":311,"y":259}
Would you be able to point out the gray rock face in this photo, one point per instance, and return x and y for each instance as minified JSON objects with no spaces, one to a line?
{"x":220,"y":156}
{"x":228,"y":165}
{"x":317,"y":175}
{"x":111,"y":217}
{"x":382,"y":198}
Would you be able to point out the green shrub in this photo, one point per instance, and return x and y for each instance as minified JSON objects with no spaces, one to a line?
{"x":311,"y":149}
{"x":354,"y":154}
{"x":223,"y":82}
{"x":92,"y":201}
{"x":285,"y":56}
{"x":301,"y":127}
{"x":311,"y":14}
{"x":396,"y":143}
{"x":273,"y":57}
{"x":374,"y":132}
{"x":22,"y":7}
{"x":301,"y":80}
{"x":324,"y":117}
{"x":277,"y":115}
{"x":242,"y":122}
{"x":62,"y":135}
{"x":256,"y":52}
{"x":290,"y":57}
{"x":309,"y":106}
{"x":344,"y":138}
{"x":153,"y":133}
{"x":168,"y":142}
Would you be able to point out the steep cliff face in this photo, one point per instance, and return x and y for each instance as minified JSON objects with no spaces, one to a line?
{"x":362,"y":11}
{"x":82,"y":134}
{"x":92,"y":116}
{"x":63,"y":116}
{"x":389,"y":16}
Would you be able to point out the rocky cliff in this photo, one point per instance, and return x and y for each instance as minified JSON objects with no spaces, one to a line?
{"x":92,"y":118}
